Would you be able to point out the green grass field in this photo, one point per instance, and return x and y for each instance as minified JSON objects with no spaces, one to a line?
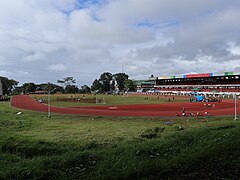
{"x":87,"y":147}
{"x":57,"y":100}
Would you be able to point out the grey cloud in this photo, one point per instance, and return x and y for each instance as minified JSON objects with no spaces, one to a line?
{"x":185,"y":36}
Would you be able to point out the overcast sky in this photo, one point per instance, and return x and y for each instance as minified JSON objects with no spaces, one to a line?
{"x":46,"y":40}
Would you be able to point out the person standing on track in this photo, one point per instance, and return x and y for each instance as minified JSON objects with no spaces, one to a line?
{"x":183,"y":111}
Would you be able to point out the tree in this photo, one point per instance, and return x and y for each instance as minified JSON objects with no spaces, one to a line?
{"x":67,"y":81}
{"x":71,"y":89}
{"x":96,"y":85}
{"x":16,"y":90}
{"x":108,"y":82}
{"x":105,"y":81}
{"x":129,"y":85}
{"x":85,"y":89}
{"x":120,"y":79}
{"x":28,"y":88}
{"x":113,"y":84}
{"x":8,"y":85}
{"x":49,"y":86}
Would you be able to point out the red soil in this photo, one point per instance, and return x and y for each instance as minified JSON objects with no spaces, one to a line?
{"x":226,"y":107}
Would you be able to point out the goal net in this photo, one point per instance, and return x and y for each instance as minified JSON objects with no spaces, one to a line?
{"x":100,"y":100}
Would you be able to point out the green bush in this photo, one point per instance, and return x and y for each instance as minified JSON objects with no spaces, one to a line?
{"x":5,"y":98}
{"x":152,"y":133}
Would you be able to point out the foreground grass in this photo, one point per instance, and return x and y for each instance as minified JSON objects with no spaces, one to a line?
{"x":74,"y":147}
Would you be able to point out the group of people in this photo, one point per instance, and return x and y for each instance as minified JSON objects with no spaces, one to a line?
{"x":41,"y":100}
{"x":212,"y":99}
{"x":192,"y":114}
{"x":209,"y":105}
{"x":169,"y":99}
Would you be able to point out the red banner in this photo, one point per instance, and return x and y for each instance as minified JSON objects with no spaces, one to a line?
{"x":198,"y":75}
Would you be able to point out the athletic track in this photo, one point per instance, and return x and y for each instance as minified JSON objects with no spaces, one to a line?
{"x":226,"y":107}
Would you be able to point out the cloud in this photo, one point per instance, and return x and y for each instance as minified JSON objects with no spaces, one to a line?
{"x":86,"y":38}
{"x":33,"y":56}
{"x":17,"y":73}
{"x":233,"y":49}
{"x":57,"y":67}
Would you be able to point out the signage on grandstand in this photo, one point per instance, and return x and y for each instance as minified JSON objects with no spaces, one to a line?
{"x":228,"y":73}
{"x":198,"y":75}
{"x":162,"y":77}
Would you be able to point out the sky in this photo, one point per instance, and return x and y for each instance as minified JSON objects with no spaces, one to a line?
{"x":46,"y":40}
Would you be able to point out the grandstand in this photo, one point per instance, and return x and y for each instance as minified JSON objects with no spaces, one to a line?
{"x":202,"y":83}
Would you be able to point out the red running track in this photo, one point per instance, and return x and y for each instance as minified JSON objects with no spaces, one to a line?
{"x":226,"y":107}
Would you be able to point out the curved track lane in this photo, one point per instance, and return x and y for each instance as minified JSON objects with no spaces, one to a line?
{"x":167,"y":109}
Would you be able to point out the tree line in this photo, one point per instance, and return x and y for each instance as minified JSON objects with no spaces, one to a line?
{"x":107,"y":83}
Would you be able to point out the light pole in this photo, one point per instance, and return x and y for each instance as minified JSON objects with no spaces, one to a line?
{"x":235,"y":105}
{"x":235,"y":100}
{"x":49,"y":102}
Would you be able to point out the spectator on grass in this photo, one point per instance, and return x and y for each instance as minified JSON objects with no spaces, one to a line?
{"x":191,"y":114}
{"x":199,"y":114}
{"x":207,"y":113}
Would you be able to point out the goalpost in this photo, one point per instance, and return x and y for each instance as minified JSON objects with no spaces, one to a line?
{"x":71,"y":96}
{"x":100,"y":100}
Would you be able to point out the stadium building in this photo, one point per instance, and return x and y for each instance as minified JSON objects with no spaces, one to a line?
{"x":201,"y":83}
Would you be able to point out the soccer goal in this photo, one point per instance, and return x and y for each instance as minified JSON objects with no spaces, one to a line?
{"x":100,"y":100}
{"x":71,"y":96}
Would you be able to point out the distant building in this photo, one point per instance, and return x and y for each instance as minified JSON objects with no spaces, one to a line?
{"x":207,"y":84}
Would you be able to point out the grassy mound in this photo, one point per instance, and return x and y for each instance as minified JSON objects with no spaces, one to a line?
{"x":73,"y":147}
